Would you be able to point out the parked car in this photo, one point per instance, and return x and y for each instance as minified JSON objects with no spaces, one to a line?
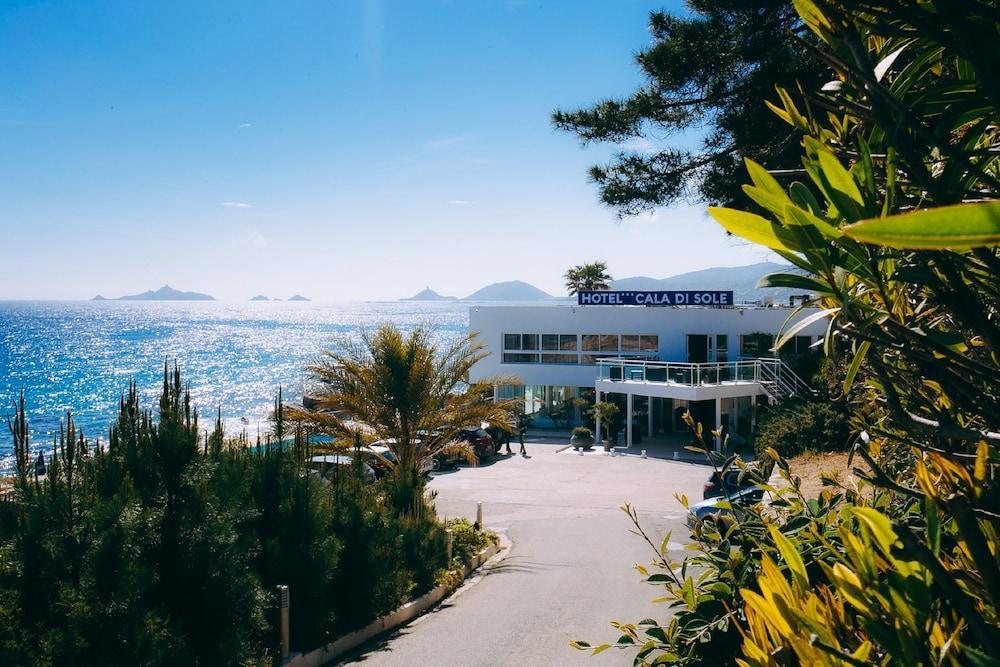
{"x":480,"y":441}
{"x":719,"y":484}
{"x":328,"y":466}
{"x":712,"y":507}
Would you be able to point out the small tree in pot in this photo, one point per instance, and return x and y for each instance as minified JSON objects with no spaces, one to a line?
{"x":582,"y":437}
{"x":610,"y":416}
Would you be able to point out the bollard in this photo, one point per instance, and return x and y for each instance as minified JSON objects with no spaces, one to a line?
{"x":644,"y":453}
{"x":614,"y":451}
{"x":283,"y":605}
{"x":675,"y":456}
{"x":479,"y":514}
{"x":448,"y":541}
{"x":581,"y":451}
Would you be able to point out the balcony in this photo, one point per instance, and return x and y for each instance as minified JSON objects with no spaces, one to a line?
{"x":673,"y":379}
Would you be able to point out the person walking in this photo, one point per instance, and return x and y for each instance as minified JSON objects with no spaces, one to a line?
{"x":521,"y":430}
{"x":506,"y":440}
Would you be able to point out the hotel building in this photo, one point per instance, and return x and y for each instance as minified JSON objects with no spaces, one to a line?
{"x":655,"y":362}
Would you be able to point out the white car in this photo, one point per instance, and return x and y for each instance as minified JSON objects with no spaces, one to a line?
{"x":327,"y":465}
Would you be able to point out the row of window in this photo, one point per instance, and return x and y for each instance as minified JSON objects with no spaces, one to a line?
{"x":513,"y":342}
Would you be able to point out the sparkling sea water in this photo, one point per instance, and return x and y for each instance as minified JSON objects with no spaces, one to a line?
{"x":80,"y":356}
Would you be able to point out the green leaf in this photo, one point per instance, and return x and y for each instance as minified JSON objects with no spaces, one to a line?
{"x":957,"y":227}
{"x":752,"y":227}
{"x":802,"y":324}
{"x":852,"y":370}
{"x":797,"y":216}
{"x":794,"y":281}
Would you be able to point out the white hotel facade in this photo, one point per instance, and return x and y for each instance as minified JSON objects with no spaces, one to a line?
{"x":654,"y":361}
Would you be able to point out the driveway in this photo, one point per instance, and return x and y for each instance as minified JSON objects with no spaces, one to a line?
{"x":569,"y":570}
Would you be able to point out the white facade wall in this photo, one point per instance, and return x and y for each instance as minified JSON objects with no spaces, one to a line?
{"x":671,"y":325}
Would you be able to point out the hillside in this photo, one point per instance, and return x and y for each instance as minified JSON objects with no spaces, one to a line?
{"x":742,"y":280}
{"x":511,"y":290}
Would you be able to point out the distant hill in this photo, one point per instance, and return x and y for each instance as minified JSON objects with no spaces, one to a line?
{"x":429,"y":295}
{"x":742,"y":280}
{"x":98,"y":298}
{"x":260,"y":297}
{"x":167,"y":293}
{"x":512,"y":290}
{"x":298,"y":297}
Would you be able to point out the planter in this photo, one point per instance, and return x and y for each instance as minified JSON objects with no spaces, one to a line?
{"x":607,"y":445}
{"x":583,"y":442}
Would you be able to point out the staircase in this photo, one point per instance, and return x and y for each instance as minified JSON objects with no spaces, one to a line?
{"x":780,"y":382}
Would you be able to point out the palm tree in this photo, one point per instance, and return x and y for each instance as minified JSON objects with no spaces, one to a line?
{"x":406,"y":392}
{"x":587,"y":277}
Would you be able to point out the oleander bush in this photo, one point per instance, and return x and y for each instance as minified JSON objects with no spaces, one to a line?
{"x":893,"y":221}
{"x":161,"y":546}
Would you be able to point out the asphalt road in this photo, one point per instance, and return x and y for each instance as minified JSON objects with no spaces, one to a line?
{"x":569,"y":570}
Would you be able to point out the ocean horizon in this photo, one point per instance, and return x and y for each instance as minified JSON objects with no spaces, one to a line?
{"x":80,"y":356}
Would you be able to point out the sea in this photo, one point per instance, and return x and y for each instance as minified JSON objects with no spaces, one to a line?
{"x":81,"y":356}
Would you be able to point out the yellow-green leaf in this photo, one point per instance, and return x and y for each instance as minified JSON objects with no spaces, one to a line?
{"x":878,"y":524}
{"x":852,"y":370}
{"x":750,"y":226}
{"x":958,"y":227}
{"x":792,"y":559}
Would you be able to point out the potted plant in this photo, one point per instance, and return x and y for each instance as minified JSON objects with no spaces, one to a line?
{"x":582,"y":437}
{"x":610,"y":418}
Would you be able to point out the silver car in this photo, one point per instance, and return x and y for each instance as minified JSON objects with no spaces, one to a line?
{"x":712,"y":507}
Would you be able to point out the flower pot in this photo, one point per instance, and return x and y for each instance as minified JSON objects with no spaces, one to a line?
{"x":607,"y":445}
{"x":581,"y":441}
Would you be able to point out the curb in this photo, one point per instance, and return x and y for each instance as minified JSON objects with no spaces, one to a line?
{"x":394,"y":619}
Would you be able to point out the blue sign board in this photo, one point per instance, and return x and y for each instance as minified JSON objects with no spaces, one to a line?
{"x":655,"y":298}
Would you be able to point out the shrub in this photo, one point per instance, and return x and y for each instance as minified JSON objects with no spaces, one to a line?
{"x":467,"y":540}
{"x":583,"y":432}
{"x":160,"y":549}
{"x":795,"y":427}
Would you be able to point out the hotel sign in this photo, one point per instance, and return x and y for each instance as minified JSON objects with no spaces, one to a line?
{"x":655,"y":298}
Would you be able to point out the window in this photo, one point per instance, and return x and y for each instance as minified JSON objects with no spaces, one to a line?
{"x":529,"y":341}
{"x":721,"y":347}
{"x":559,"y":359}
{"x":797,"y":346}
{"x":649,"y":343}
{"x":512,"y":341}
{"x":567,"y":342}
{"x":608,"y":343}
{"x":630,"y":343}
{"x":756,"y":345}
{"x":550,"y":341}
{"x":515,"y":358}
{"x":591,"y":341}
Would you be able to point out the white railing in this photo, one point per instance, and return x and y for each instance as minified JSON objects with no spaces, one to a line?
{"x":776,"y":379}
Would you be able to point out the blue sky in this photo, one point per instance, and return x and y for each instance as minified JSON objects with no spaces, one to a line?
{"x":346,"y":150}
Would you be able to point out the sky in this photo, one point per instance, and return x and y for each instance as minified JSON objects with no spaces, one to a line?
{"x":346,"y":150}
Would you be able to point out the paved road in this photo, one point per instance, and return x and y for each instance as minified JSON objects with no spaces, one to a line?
{"x":569,"y":570}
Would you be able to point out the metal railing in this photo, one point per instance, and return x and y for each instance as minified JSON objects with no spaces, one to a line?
{"x":776,"y":379}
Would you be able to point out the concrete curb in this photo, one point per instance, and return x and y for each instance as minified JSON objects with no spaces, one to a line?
{"x":396,"y":618}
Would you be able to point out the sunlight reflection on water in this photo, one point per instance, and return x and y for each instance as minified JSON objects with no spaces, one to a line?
{"x":81,"y":355}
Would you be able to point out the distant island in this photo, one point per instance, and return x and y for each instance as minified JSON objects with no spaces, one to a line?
{"x":260,"y":297}
{"x":165,"y":293}
{"x":298,"y":297}
{"x":429,"y":295}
